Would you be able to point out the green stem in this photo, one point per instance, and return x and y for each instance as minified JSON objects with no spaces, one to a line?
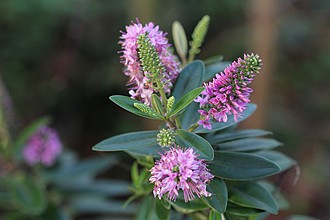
{"x":193,"y":127}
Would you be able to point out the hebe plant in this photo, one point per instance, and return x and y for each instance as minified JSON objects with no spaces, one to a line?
{"x":197,"y":164}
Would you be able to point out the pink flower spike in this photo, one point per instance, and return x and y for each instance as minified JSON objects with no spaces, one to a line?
{"x":228,"y":93}
{"x":180,"y":169}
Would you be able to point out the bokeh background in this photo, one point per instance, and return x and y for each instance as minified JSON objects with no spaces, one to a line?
{"x":60,"y":58}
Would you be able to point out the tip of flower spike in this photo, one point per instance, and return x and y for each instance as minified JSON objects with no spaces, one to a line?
{"x":165,"y":137}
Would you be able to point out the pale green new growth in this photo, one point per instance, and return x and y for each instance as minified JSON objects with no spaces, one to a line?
{"x":198,"y":37}
{"x":180,"y":41}
{"x":145,"y":109}
{"x":170,"y":103}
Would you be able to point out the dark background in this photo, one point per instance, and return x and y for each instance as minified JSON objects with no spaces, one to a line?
{"x":60,"y":58}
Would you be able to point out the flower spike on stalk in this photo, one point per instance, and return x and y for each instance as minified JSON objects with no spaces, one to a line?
{"x":140,"y":86}
{"x":228,"y":93}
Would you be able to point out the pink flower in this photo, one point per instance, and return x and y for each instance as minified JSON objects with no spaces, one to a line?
{"x":140,"y":87}
{"x":228,"y":93}
{"x":42,"y":147}
{"x":180,"y":169}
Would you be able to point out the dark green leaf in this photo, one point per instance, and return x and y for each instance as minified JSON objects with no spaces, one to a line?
{"x":241,"y":166}
{"x":190,"y":78}
{"x":216,"y":126}
{"x":215,"y":215}
{"x":212,"y":69}
{"x":249,"y":144}
{"x":146,"y":151}
{"x":283,"y":161}
{"x":242,"y":211}
{"x":127,"y":103}
{"x":184,"y":101}
{"x":219,"y":198}
{"x":128,"y":141}
{"x":27,"y":195}
{"x":157,"y":104}
{"x":234,"y":135}
{"x":187,"y":139}
{"x":251,"y":194}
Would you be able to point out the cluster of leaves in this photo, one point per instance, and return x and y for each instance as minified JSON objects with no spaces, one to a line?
{"x":64,"y":191}
{"x":239,"y":159}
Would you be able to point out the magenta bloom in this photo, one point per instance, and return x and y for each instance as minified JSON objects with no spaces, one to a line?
{"x":42,"y":147}
{"x":180,"y":169}
{"x":140,"y":87}
{"x":228,"y":93}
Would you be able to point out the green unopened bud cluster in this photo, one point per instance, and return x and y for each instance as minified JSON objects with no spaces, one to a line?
{"x":165,"y":137}
{"x":144,"y":108}
{"x":170,"y":103}
{"x":150,"y":61}
{"x":253,"y":62}
{"x":198,"y":36}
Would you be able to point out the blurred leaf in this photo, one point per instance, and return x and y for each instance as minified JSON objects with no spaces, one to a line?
{"x":184,"y":101}
{"x":27,"y":195}
{"x":83,"y":170}
{"x":54,"y":212}
{"x":251,"y":194}
{"x":215,"y":215}
{"x":23,"y":137}
{"x":187,"y":139}
{"x":283,"y":161}
{"x":128,"y":141}
{"x":146,"y":210}
{"x":219,"y":198}
{"x":249,"y":144}
{"x":242,"y":211}
{"x":212,"y":69}
{"x":241,"y":166}
{"x":234,"y":135}
{"x":189,"y":207}
{"x":88,"y":204}
{"x":216,"y":126}
{"x":180,"y":40}
{"x":127,"y":103}
{"x":301,"y":217}
{"x":161,"y":210}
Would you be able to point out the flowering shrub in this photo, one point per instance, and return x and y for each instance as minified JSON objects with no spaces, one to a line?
{"x":197,"y":163}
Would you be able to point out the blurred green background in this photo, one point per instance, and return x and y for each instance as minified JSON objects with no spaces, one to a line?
{"x":60,"y":58}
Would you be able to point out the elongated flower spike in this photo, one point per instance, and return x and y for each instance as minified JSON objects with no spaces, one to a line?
{"x":180,"y":169}
{"x":140,"y":85}
{"x":228,"y":93}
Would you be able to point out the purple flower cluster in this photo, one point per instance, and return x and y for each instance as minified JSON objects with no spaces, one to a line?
{"x":139,"y":84}
{"x":228,"y":93}
{"x":180,"y":169}
{"x":42,"y":147}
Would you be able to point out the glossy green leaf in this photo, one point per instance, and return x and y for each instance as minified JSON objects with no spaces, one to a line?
{"x":249,"y":144}
{"x":187,"y":139}
{"x":212,"y":69}
{"x":128,"y":141}
{"x":235,"y":135}
{"x":283,"y":161}
{"x":216,"y":126}
{"x":242,"y":211}
{"x":184,"y":101}
{"x":180,"y":40}
{"x":218,"y":201}
{"x":215,"y":215}
{"x":251,"y":194}
{"x":157,"y":104}
{"x":189,"y":78}
{"x":153,"y":151}
{"x":241,"y":166}
{"x":27,"y":195}
{"x":127,"y":103}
